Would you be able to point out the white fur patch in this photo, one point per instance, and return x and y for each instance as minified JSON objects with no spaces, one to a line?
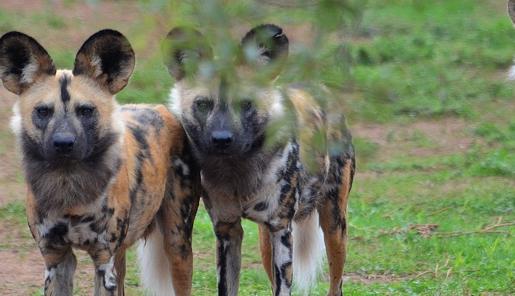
{"x":15,"y":123}
{"x":511,"y":73}
{"x":27,"y":74}
{"x":49,"y":273}
{"x":109,"y":277}
{"x":308,"y":252}
{"x":184,"y":167}
{"x":117,"y":119}
{"x":155,"y":271}
{"x":96,"y":62}
{"x":174,"y":101}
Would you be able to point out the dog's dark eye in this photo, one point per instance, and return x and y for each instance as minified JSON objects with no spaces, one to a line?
{"x":85,"y":111}
{"x":203,"y":105}
{"x":246,"y":105}
{"x":44,"y":111}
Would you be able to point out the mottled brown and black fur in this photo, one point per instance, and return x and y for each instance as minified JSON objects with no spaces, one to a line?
{"x":99,"y":176}
{"x":260,"y":162}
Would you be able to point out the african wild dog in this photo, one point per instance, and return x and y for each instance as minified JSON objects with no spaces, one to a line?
{"x":97,"y":173}
{"x":244,"y":174}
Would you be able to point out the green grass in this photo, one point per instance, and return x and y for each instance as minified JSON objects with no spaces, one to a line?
{"x":410,"y":61}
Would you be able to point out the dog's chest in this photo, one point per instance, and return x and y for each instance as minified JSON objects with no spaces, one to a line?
{"x":278,"y":191}
{"x":273,"y":197}
{"x":81,"y":231}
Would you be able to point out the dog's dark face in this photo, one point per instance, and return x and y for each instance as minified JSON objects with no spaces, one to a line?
{"x":66,"y":116}
{"x":225,"y":116}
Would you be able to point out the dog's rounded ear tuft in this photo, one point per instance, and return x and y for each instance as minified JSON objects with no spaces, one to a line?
{"x":108,"y":58}
{"x":511,"y":10}
{"x":183,"y":51}
{"x":265,"y":44}
{"x":22,"y":62}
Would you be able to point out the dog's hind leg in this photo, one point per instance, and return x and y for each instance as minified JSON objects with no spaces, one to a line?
{"x":282,"y":254}
{"x":265,"y":246}
{"x":59,"y":273}
{"x":120,"y":268}
{"x":333,"y":220}
{"x":176,"y":219}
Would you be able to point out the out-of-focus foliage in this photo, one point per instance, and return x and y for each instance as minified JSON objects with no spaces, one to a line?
{"x":325,"y":22}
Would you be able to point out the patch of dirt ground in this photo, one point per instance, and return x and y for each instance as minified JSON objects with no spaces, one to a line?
{"x":420,"y":138}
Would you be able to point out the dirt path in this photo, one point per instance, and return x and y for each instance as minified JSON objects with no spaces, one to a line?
{"x":421,"y":138}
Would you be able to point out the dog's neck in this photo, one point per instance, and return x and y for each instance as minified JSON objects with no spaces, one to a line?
{"x":239,"y":177}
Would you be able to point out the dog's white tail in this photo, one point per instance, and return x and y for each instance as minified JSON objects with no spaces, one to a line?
{"x":308,"y":252}
{"x":153,"y":263}
{"x":511,"y":72}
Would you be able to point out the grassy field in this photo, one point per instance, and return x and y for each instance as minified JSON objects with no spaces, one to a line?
{"x":432,"y":114}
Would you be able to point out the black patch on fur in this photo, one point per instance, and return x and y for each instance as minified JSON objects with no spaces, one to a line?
{"x":222,"y":260}
{"x":65,"y":95}
{"x":87,"y":219}
{"x":187,"y":217}
{"x":286,"y":240}
{"x":137,"y":186}
{"x":122,"y":225}
{"x":101,"y":273}
{"x":55,"y":235}
{"x":19,"y":57}
{"x":139,"y":135}
{"x":146,"y":117}
{"x":95,"y":227}
{"x":284,"y":269}
{"x":142,"y":155}
{"x":277,"y":280}
{"x":41,"y":122}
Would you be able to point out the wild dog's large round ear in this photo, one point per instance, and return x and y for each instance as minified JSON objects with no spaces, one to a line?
{"x":265,"y":45}
{"x":22,"y":62}
{"x":183,"y":50}
{"x":511,"y":10}
{"x":106,"y":57}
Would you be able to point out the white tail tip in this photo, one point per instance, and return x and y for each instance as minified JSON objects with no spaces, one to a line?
{"x":308,"y":252}
{"x":511,"y":73}
{"x":155,"y":273}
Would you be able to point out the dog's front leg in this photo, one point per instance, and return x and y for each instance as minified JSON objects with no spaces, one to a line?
{"x":60,"y":267}
{"x":282,"y":251}
{"x":228,"y":244}
{"x":105,"y":278}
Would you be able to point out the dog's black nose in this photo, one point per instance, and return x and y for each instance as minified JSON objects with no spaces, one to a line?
{"x":221,"y":139}
{"x":63,"y":142}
